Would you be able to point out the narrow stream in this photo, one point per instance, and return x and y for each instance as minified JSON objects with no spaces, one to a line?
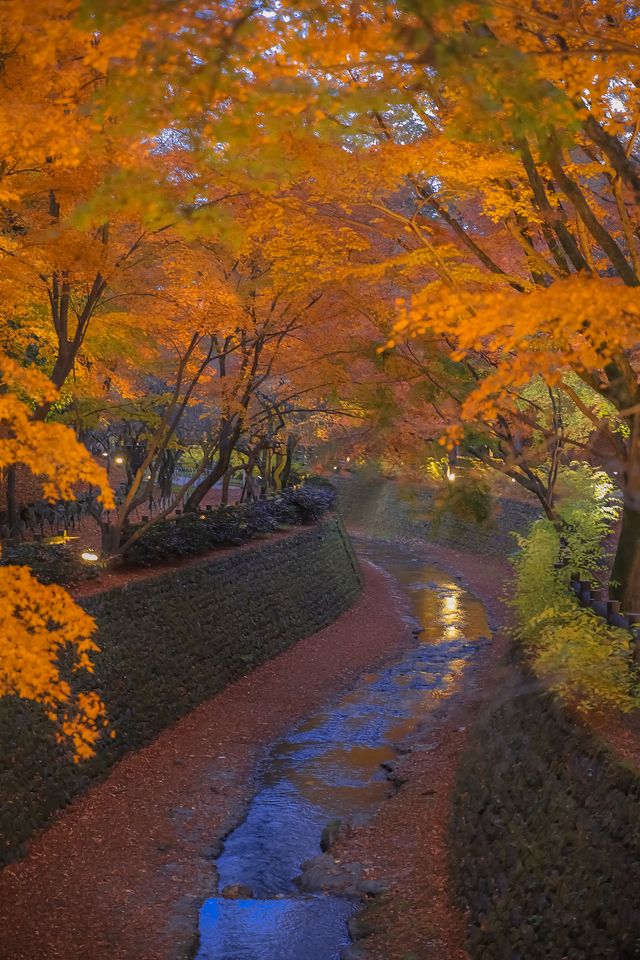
{"x":328,"y":769}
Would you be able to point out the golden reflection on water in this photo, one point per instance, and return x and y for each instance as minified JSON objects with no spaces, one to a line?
{"x":450,"y":603}
{"x":348,"y":772}
{"x":445,"y":611}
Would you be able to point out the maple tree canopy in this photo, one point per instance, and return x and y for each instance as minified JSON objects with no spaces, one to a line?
{"x":227,"y":229}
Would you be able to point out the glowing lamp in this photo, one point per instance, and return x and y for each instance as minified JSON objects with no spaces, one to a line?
{"x":119,"y":459}
{"x":89,"y":556}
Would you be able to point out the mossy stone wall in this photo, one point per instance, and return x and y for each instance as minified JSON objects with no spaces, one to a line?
{"x":545,"y":835}
{"x":168,"y":643}
{"x":391,"y":509}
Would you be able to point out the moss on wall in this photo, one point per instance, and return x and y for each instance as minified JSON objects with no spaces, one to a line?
{"x":545,"y":836}
{"x":168,"y":643}
{"x":391,"y":509}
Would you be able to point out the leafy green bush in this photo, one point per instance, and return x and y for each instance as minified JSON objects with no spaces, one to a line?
{"x":577,"y":652}
{"x":194,"y":533}
{"x":311,"y":501}
{"x":184,"y":536}
{"x":468,"y":498}
{"x":50,"y":563}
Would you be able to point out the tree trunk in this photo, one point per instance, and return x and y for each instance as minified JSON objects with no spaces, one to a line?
{"x":264,"y":465}
{"x":193,"y":501}
{"x":626,"y":565}
{"x":292,"y":443}
{"x":111,"y":535}
{"x":280,"y":463}
{"x":228,"y":442}
{"x":13,"y":507}
{"x":224,"y":497}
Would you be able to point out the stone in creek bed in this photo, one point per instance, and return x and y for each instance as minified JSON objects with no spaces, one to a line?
{"x":395,"y":777}
{"x":237,"y":891}
{"x":373,"y":888}
{"x":330,"y":834}
{"x":355,"y":952}
{"x":212,"y":851}
{"x":323,"y":874}
{"x":362,"y":925}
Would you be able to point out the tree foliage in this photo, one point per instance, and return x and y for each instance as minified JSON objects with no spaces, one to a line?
{"x":230,"y":231}
{"x":575,"y":651}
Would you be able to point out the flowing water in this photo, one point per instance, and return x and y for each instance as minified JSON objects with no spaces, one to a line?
{"x":327,"y":769}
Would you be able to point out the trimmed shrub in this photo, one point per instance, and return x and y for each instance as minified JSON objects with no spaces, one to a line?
{"x":189,"y":535}
{"x":312,"y":500}
{"x":184,"y":536}
{"x":50,"y":563}
{"x":194,"y":533}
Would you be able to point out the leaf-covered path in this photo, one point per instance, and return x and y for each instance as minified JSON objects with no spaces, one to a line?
{"x":122,"y":871}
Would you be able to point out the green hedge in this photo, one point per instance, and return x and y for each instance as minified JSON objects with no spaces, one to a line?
{"x":168,"y":643}
{"x":185,"y":535}
{"x":545,"y":836}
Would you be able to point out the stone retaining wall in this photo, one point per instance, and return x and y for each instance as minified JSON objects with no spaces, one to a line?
{"x":545,"y":835}
{"x":168,"y":643}
{"x":390,"y":509}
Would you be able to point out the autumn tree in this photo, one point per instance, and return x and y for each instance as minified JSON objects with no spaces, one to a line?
{"x":572,"y":190}
{"x":526,"y":217}
{"x":268,"y":216}
{"x":38,"y":621}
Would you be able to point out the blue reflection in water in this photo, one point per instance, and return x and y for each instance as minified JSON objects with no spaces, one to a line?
{"x":296,"y":929}
{"x":329,"y":768}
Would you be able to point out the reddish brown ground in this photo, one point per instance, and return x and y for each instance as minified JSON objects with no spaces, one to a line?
{"x":621,"y":732}
{"x":406,"y":844}
{"x":120,"y":874}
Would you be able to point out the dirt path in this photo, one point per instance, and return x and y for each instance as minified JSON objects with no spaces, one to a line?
{"x":406,"y":844}
{"x":122,"y":871}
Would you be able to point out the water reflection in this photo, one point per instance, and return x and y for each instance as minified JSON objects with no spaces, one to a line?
{"x":304,"y":928}
{"x":329,"y":768}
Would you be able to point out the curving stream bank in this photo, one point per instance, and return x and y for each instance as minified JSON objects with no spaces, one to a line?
{"x":284,"y":898}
